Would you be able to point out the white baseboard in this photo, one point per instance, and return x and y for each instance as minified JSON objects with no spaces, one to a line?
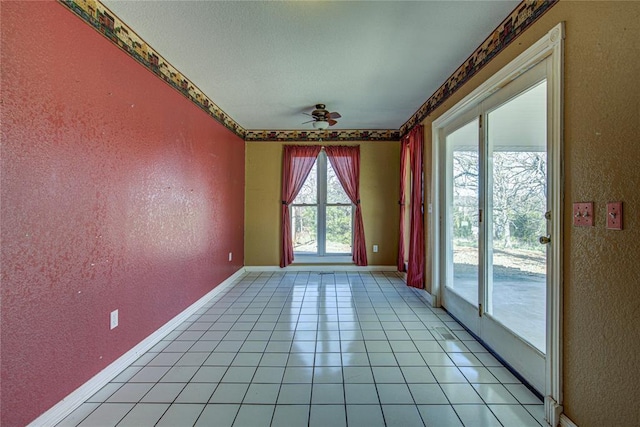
{"x":426,"y":296}
{"x":67,"y":405}
{"x":325,"y":267}
{"x":566,"y":422}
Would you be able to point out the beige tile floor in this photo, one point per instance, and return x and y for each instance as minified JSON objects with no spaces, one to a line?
{"x":314,"y":349}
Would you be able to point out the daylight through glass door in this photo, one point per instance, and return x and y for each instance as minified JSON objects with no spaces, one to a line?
{"x":517,"y":201}
{"x":463,"y":203}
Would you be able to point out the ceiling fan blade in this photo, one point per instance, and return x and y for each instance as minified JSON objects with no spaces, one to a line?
{"x":334,"y":115}
{"x":332,"y":122}
{"x":304,"y":123}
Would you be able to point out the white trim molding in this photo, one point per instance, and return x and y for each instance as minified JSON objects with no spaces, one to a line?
{"x":67,"y":405}
{"x":70,"y":403}
{"x":319,"y":267}
{"x":566,"y":422}
{"x":553,"y":44}
{"x":552,"y":411}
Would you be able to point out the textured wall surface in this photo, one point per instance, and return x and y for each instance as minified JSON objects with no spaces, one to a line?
{"x":601,"y":156}
{"x":117,"y":193}
{"x":379,"y":188}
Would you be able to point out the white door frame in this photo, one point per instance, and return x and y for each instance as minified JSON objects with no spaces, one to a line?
{"x":551,"y":45}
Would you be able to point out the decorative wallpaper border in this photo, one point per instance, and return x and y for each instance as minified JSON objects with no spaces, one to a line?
{"x":108,"y":24}
{"x":525,"y":14}
{"x":322,"y":135}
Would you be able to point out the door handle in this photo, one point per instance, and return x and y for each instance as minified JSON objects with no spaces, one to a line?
{"x":544,"y":240}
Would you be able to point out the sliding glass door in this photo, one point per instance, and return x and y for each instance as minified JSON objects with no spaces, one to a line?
{"x":516,"y":206}
{"x":495,"y":226}
{"x":463,"y":173}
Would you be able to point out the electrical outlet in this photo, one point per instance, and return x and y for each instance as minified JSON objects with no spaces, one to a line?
{"x":375,"y":248}
{"x":614,"y":216}
{"x":114,"y":319}
{"x":230,"y":256}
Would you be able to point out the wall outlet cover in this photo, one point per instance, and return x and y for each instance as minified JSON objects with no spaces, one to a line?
{"x":113,"y":319}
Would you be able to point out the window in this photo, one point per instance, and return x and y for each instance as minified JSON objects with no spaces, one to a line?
{"x":322,"y":214}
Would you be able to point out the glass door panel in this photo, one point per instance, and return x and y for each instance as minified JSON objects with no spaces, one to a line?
{"x":495,"y":201}
{"x":463,"y":167}
{"x":516,"y":206}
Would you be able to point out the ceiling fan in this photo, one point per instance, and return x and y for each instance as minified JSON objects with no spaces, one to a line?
{"x":322,"y":118}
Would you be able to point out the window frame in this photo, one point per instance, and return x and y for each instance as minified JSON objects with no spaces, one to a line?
{"x":321,"y":205}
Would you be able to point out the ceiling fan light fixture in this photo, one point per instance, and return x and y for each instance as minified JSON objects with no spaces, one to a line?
{"x":321,"y":124}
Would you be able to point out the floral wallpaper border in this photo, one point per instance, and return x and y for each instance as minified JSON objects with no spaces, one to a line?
{"x":326,"y":135}
{"x":108,"y":24}
{"x":520,"y":19}
{"x":104,"y":21}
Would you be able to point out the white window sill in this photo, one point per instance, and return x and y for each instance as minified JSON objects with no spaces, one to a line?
{"x":314,"y":259}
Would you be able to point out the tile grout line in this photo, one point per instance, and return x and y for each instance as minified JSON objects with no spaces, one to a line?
{"x":266,"y":293}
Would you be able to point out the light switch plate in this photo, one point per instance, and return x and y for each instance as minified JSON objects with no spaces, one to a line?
{"x":583,"y":214}
{"x":614,"y":216}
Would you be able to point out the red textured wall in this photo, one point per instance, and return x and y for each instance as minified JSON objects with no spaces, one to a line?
{"x":117,"y":193}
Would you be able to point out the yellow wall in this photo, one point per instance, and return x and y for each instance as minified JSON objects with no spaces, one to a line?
{"x":379,"y":182}
{"x":601,"y":364}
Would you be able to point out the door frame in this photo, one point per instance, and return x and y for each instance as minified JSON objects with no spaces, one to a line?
{"x":551,"y":46}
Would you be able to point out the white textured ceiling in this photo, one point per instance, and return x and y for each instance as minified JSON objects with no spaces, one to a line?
{"x":266,"y":62}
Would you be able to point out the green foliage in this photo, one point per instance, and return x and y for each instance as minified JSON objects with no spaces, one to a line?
{"x":304,"y":219}
{"x":526,"y":227}
{"x":339,"y":224}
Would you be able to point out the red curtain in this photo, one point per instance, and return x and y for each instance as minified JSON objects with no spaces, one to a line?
{"x":415,"y":270}
{"x":346,"y":164}
{"x":403,"y":183}
{"x":296,"y":165}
